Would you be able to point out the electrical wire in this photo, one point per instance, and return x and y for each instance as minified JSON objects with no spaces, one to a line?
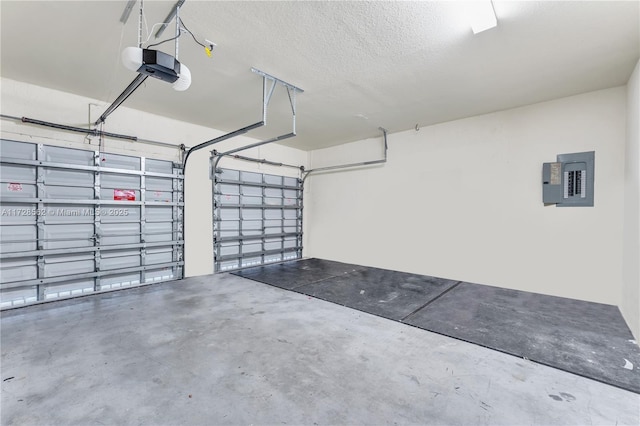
{"x":164,"y":41}
{"x":182,"y":27}
{"x":153,"y":28}
{"x":194,"y":37}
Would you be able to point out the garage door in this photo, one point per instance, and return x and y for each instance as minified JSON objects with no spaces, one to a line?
{"x":257,"y":219}
{"x":75,"y":222}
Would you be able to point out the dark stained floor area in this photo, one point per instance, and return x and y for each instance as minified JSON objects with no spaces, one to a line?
{"x":584,"y":338}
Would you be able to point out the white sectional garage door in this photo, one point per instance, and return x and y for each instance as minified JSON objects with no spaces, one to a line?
{"x":257,"y":219}
{"x":74,"y":222}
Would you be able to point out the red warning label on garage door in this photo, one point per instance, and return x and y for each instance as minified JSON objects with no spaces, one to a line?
{"x":124,"y":194}
{"x":14,"y":187}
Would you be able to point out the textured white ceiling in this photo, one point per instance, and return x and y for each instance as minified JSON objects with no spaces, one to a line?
{"x":362,"y":64}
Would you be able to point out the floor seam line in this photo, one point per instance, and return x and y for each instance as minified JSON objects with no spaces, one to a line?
{"x":432,"y":300}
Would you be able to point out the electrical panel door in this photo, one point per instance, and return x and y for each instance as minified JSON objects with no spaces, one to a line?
{"x":569,"y":181}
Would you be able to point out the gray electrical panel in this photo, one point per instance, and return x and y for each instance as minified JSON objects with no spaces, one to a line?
{"x":568,"y":182}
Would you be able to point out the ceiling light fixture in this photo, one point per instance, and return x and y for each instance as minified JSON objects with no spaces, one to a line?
{"x":482,"y":17}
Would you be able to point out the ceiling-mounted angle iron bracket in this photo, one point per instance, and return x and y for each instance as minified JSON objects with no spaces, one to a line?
{"x":269,"y":84}
{"x":266,"y":95}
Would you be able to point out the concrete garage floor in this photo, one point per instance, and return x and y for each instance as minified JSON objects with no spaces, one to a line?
{"x":225,"y":350}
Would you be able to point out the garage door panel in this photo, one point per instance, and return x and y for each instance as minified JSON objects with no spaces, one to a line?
{"x":227,"y":265}
{"x":270,"y":258}
{"x":252,"y":223}
{"x":251,"y":247}
{"x":255,"y":191}
{"x":75,"y":178}
{"x":272,"y":201}
{"x":252,"y":227}
{"x":272,"y":244}
{"x":159,"y":214}
{"x":273,"y":180}
{"x":228,"y":214}
{"x":256,"y":201}
{"x":18,"y":190}
{"x":159,"y":184}
{"x":116,"y":281}
{"x":292,"y":182}
{"x":226,"y":199}
{"x":251,"y":214}
{"x":18,"y":150}
{"x":72,"y":266}
{"x":159,"y":196}
{"x":69,"y":214}
{"x":227,"y":189}
{"x":158,"y":255}
{"x":159,"y":231}
{"x":123,"y":162}
{"x":228,"y":249}
{"x":248,"y":261}
{"x":289,"y":242}
{"x":68,"y":192}
{"x":17,"y":214}
{"x":118,"y":181}
{"x":228,"y":174}
{"x":274,"y":214}
{"x":117,"y":263}
{"x":18,"y":296}
{"x":68,"y":289}
{"x":120,"y":233}
{"x":68,"y":236}
{"x":290,"y":193}
{"x":18,"y":173}
{"x":162,"y":274}
{"x":76,"y":157}
{"x":121,"y":213}
{"x":84,"y":245}
{"x":18,"y":238}
{"x":273,"y":223}
{"x":158,"y":166}
{"x":250,"y":177}
{"x":273,"y":192}
{"x":19,"y":269}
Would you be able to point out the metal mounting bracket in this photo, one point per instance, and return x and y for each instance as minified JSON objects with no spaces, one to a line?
{"x":348,"y":166}
{"x":269,"y":84}
{"x":267,"y":93}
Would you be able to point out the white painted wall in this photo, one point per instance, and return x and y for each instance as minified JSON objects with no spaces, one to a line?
{"x":21,"y":99}
{"x":631,"y":253}
{"x":463,"y":200}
